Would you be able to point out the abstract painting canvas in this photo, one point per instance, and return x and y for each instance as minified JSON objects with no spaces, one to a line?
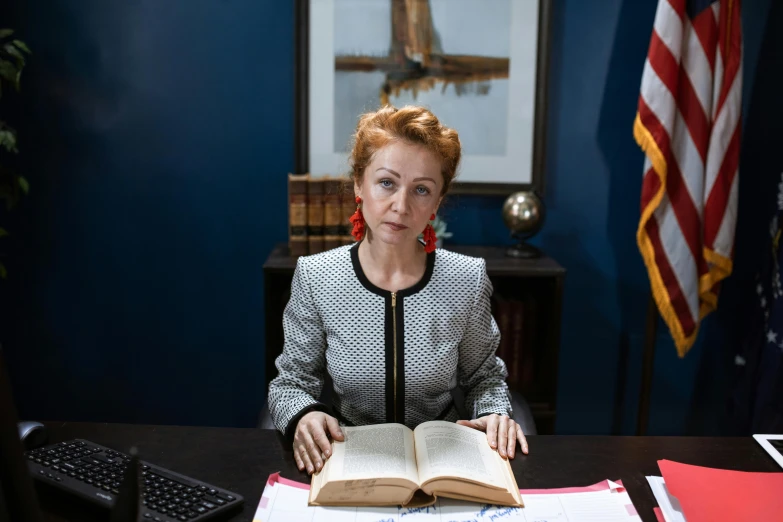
{"x":475,"y":63}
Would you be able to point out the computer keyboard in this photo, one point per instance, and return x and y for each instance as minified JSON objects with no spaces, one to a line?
{"x":94,"y":473}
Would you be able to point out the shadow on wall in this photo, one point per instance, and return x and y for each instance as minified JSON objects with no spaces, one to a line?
{"x":624,"y":161}
{"x":589,"y":338}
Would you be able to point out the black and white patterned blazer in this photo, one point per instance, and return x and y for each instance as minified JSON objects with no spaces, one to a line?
{"x":392,"y":356}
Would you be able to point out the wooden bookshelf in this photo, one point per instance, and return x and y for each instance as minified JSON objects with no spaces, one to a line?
{"x":535,"y":283}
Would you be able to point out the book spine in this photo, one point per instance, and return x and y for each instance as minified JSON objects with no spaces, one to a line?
{"x":517,"y":343}
{"x":315,"y":215}
{"x":297,"y":214}
{"x":529,"y":361}
{"x":332,"y":213}
{"x":348,"y":205}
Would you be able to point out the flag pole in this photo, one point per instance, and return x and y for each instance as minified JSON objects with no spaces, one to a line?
{"x":648,"y":364}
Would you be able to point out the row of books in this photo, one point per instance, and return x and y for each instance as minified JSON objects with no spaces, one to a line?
{"x":516,"y":319}
{"x":319,"y":212}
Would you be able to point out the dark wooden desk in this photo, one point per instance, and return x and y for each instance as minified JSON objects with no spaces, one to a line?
{"x":240,"y":459}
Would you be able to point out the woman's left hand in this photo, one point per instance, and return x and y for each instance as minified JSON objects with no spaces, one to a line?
{"x":502,"y":433}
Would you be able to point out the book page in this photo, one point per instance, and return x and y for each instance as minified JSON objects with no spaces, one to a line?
{"x":372,"y":452}
{"x":450,"y":450}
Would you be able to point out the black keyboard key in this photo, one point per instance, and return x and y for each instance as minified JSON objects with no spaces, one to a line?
{"x":182,"y":517}
{"x":200,"y":510}
{"x":208,"y":505}
{"x":102,"y":459}
{"x":227,"y":498}
{"x":46,"y":463}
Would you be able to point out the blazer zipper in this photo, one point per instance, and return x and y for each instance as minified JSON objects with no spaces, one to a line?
{"x":394,"y":343}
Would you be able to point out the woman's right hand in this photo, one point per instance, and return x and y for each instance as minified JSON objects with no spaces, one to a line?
{"x":311,"y":443}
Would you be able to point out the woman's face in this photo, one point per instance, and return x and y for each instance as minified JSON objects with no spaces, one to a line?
{"x":400,"y":190}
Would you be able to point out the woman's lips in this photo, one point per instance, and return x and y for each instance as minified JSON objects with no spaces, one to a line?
{"x":395,"y":226}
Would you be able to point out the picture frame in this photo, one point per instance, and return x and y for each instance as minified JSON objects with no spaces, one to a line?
{"x":497,"y":159}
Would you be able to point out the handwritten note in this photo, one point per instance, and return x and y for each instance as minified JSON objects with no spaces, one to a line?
{"x":286,"y":501}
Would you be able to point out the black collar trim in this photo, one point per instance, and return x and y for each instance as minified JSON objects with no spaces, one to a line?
{"x":417,"y":287}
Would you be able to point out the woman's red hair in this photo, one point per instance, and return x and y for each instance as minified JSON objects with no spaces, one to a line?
{"x":410,"y":123}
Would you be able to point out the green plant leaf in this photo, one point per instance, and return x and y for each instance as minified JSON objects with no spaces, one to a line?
{"x":23,"y":46}
{"x":3,"y":271}
{"x":3,"y":232}
{"x":8,"y":139}
{"x":24,"y":185}
{"x":5,"y":33}
{"x":8,"y":70}
{"x":13,"y":51}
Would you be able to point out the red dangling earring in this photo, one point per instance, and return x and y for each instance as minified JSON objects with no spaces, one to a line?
{"x":429,"y":237}
{"x":358,"y":221}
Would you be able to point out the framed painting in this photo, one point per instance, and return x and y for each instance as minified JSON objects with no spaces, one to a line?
{"x":480,"y":65}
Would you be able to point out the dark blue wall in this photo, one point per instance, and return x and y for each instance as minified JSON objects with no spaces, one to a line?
{"x":158,"y":138}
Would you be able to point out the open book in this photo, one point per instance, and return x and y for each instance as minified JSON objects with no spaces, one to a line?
{"x":390,"y":464}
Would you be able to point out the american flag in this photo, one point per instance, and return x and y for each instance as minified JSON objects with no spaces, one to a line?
{"x":688,"y":125}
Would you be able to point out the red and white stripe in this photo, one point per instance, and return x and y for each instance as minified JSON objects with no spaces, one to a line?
{"x":689,"y":125}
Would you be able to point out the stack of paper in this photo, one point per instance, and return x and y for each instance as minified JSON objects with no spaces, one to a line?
{"x":286,"y":501}
{"x":688,"y":493}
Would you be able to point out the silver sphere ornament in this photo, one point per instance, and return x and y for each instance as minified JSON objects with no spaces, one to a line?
{"x":523,"y":214}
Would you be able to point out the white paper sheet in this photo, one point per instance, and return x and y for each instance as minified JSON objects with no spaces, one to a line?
{"x":286,"y":501}
{"x":670,"y":506}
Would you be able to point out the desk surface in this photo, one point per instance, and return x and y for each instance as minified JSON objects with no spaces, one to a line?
{"x":240,"y":459}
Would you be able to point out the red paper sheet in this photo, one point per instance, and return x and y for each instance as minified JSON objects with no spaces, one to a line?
{"x":717,"y":495}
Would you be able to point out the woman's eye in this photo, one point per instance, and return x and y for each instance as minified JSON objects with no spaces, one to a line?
{"x":385,"y":183}
{"x":423,"y":190}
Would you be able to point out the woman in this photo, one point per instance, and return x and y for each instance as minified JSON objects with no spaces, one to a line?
{"x":396,"y":323}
